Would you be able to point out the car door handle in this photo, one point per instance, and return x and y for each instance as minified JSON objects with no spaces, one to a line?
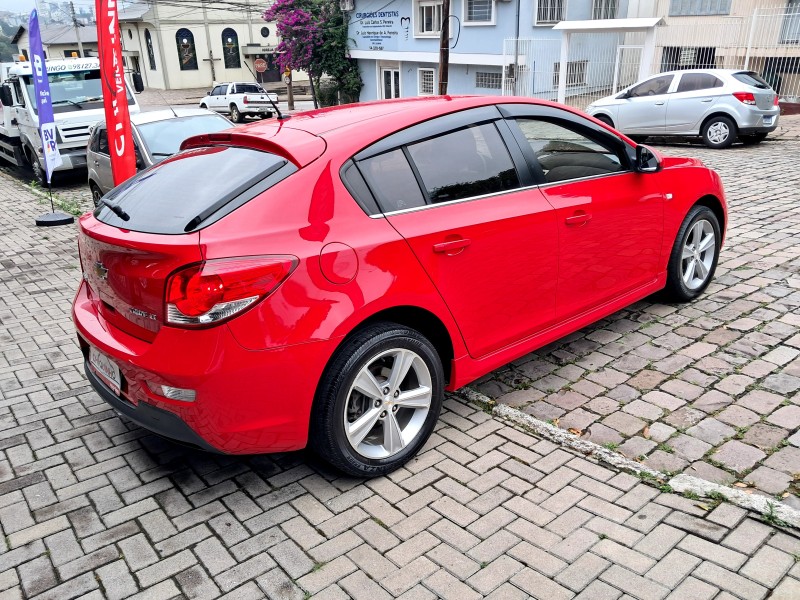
{"x":706,"y":100}
{"x":578,"y":219}
{"x":97,"y":163}
{"x":660,"y":103}
{"x":452,"y":246}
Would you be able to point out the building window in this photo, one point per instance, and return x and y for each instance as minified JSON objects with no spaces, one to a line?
{"x":604,"y":9}
{"x":479,"y":12}
{"x":429,"y":17}
{"x":151,"y":55}
{"x":549,"y":11}
{"x":488,"y":81}
{"x":426,"y":82}
{"x":230,"y":49}
{"x":187,"y":53}
{"x":576,"y":73}
{"x":686,"y":8}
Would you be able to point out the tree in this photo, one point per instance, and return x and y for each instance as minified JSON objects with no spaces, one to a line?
{"x":314,"y":39}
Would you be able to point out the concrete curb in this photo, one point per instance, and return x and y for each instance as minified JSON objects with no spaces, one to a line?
{"x":777,"y":512}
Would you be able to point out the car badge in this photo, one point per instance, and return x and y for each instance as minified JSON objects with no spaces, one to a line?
{"x":100,"y":270}
{"x":144,"y":314}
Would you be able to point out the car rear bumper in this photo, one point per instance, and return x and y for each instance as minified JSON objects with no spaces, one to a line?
{"x":247,"y":402}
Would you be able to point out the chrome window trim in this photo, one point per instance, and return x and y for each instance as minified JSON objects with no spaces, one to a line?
{"x":494,"y":194}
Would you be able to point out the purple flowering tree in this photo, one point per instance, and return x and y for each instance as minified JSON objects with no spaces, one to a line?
{"x":314,"y":39}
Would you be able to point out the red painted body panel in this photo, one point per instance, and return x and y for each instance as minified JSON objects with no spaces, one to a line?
{"x":524,"y":280}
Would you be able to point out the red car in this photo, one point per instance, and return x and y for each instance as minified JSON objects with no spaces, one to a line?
{"x":321,"y":280}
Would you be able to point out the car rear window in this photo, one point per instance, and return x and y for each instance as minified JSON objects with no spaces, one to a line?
{"x":192,"y":189}
{"x":751,"y":78}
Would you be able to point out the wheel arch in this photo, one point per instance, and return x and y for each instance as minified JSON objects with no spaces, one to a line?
{"x":718,"y":113}
{"x":714,"y":203}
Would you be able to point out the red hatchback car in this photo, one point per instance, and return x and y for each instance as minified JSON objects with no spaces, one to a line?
{"x":321,"y":280}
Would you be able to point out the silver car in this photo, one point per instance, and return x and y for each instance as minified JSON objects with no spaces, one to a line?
{"x":718,"y":105}
{"x":156,"y":135}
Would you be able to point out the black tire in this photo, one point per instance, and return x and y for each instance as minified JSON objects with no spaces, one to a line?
{"x":236,"y":116}
{"x":203,"y":105}
{"x":96,"y":193}
{"x":752,"y":140}
{"x":327,"y":436}
{"x":713,"y":130}
{"x":677,"y":289}
{"x":39,"y":174}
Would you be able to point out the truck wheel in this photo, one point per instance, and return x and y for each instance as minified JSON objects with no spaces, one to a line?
{"x":236,"y":116}
{"x":38,"y":172}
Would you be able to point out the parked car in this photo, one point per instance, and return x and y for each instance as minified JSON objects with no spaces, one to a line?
{"x":718,"y":105}
{"x":156,"y":135}
{"x":240,"y":100}
{"x":323,"y":280}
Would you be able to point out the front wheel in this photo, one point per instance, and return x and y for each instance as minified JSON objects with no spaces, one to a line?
{"x":96,"y":194}
{"x":694,"y":255}
{"x":236,"y":115}
{"x":202,"y":105}
{"x":38,"y":172}
{"x":378,"y":401}
{"x":719,"y":132}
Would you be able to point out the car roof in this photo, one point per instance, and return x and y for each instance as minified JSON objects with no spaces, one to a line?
{"x":710,"y":71}
{"x":152,"y":116}
{"x":350,"y":127}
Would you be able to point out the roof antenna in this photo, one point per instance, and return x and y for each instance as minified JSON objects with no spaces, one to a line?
{"x":274,"y":105}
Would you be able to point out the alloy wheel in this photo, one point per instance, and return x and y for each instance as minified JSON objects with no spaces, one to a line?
{"x":388,"y":403}
{"x":718,"y":132}
{"x":698,"y":254}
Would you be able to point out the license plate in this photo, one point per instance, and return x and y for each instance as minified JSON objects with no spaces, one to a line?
{"x":768,"y":120}
{"x":106,"y":369}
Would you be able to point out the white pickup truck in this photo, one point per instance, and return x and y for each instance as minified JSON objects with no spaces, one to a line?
{"x":240,"y":99}
{"x":77,"y":97}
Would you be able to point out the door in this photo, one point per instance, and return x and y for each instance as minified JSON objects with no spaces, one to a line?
{"x":610,"y":219}
{"x":643,"y":110}
{"x":390,"y":83}
{"x":215,"y":100}
{"x":488,"y":245}
{"x":692,"y":100}
{"x":102,"y":162}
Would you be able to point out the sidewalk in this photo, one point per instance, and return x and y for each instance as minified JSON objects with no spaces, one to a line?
{"x":94,"y":507}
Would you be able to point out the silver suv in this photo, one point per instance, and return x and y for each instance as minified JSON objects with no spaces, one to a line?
{"x":718,"y":105}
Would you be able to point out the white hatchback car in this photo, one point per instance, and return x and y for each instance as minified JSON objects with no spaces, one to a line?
{"x":718,"y":105}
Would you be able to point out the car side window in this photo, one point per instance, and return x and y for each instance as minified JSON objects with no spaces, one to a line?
{"x":219,"y":90}
{"x":564,"y":153}
{"x":392,"y":181}
{"x":94,"y":141}
{"x":248,"y":89}
{"x":652,"y":87}
{"x":477,"y":163}
{"x":102,"y":141}
{"x":691,"y":82}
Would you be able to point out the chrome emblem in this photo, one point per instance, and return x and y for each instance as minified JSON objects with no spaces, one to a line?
{"x":100,"y":270}
{"x":144,"y":314}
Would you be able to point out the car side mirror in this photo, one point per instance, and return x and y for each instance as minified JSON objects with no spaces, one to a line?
{"x":646,"y":160}
{"x":138,"y":83}
{"x":5,"y":95}
{"x":624,"y":95}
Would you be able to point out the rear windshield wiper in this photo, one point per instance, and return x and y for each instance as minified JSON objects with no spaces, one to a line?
{"x":202,"y":216}
{"x":116,"y":209}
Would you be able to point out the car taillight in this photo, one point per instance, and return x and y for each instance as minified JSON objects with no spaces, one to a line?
{"x":244,"y":101}
{"x":775,"y":102}
{"x":215,"y":290}
{"x":745,"y":98}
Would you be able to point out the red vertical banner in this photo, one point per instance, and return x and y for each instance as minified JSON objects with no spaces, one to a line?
{"x":115,"y":95}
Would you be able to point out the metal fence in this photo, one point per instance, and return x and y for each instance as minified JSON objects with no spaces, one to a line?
{"x":599,"y":64}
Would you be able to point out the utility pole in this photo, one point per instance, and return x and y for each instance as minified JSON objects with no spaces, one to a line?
{"x":444,"y":48}
{"x":77,"y":27}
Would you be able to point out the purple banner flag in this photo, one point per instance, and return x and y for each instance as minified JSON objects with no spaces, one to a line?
{"x":44,"y":106}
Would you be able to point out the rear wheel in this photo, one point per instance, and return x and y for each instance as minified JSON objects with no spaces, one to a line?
{"x":236,"y":115}
{"x":96,"y":193}
{"x":719,"y":132}
{"x":752,"y":140}
{"x":694,"y":255}
{"x":378,"y":402}
{"x":605,"y":119}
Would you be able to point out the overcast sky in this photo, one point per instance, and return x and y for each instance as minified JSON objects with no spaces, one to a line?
{"x":27,"y":5}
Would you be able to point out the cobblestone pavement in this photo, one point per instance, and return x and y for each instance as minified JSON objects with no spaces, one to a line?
{"x":710,"y":388}
{"x":92,"y":506}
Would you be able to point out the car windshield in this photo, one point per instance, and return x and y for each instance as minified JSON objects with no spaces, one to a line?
{"x":72,"y":90}
{"x":751,"y":78}
{"x":249,"y":88}
{"x":164,"y":138}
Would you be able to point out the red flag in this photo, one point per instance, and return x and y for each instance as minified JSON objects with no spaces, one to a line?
{"x":115,"y":98}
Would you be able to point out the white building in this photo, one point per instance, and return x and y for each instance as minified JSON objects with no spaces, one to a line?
{"x":59,"y":41}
